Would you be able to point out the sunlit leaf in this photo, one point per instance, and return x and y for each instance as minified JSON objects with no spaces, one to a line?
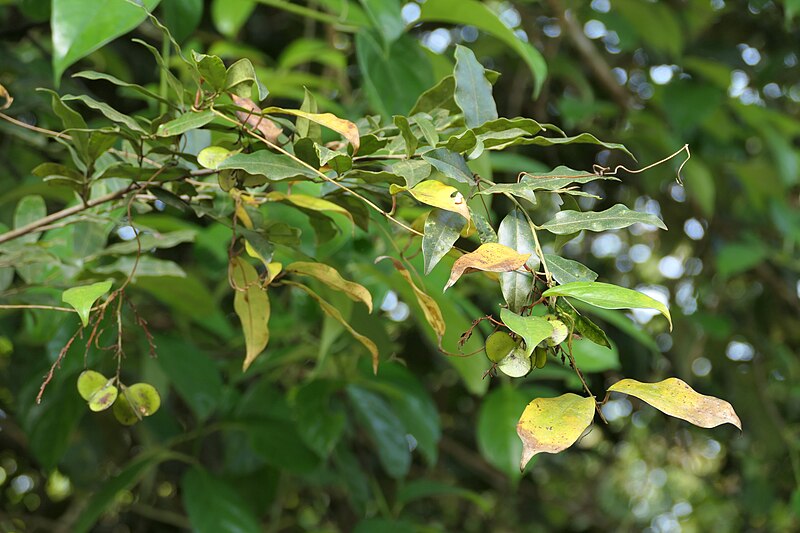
{"x":607,"y":296}
{"x":676,"y":398}
{"x":567,"y":271}
{"x":616,"y":217}
{"x":450,"y":164}
{"x":437,"y":194}
{"x":83,"y":298}
{"x":345,"y":128}
{"x":489,"y":257}
{"x":552,"y":425}
{"x":275,"y":167}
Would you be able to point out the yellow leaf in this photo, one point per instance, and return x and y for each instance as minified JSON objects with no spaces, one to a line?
{"x":676,"y":398}
{"x":251,"y":304}
{"x":345,"y":128}
{"x":334,"y":313}
{"x":552,"y":425}
{"x":429,"y":306}
{"x":310,"y":202}
{"x":489,"y":257}
{"x":331,"y":277}
{"x":437,"y":194}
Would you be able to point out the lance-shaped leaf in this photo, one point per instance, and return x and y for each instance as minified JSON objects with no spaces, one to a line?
{"x":109,"y":112}
{"x":429,"y":306}
{"x":582,"y":325}
{"x":184,"y":123}
{"x":583,"y":138}
{"x":251,"y":304}
{"x":83,"y":298}
{"x":473,"y":91}
{"x":275,"y":167}
{"x":437,"y":194}
{"x":676,"y":398}
{"x":345,"y":128}
{"x":533,"y":329}
{"x":559,"y":178}
{"x":567,"y":271}
{"x":552,"y":425}
{"x":441,"y":232}
{"x":331,"y":277}
{"x":310,"y":203}
{"x":616,"y":217}
{"x":409,"y":138}
{"x":413,"y":171}
{"x":489,"y":257}
{"x":607,"y":296}
{"x":516,"y":233}
{"x":334,"y":313}
{"x":450,"y":164}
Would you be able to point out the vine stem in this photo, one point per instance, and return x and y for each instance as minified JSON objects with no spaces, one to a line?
{"x":320,"y":174}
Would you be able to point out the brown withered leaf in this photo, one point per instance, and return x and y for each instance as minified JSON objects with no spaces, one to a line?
{"x":253,"y":118}
{"x":489,"y":257}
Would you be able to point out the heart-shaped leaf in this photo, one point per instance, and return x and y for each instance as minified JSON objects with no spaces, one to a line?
{"x":83,"y":298}
{"x":552,"y":425}
{"x":533,"y":329}
{"x":676,"y":398}
{"x":489,"y":257}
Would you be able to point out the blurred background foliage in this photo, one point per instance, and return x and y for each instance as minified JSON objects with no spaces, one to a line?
{"x":308,"y":439}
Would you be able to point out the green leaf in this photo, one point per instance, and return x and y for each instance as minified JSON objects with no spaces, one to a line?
{"x":607,"y":296}
{"x":83,"y":298}
{"x":412,"y":171}
{"x":497,"y":418}
{"x":676,"y":398}
{"x":616,"y":217}
{"x":211,"y":69}
{"x":515,"y":232}
{"x":214,"y":506}
{"x":533,"y":329}
{"x":440,"y":96}
{"x":552,"y":425}
{"x":92,"y":75}
{"x":240,"y":79}
{"x":145,"y":266}
{"x":450,"y":164}
{"x":78,"y":31}
{"x":275,"y":167}
{"x":385,"y":16}
{"x":478,"y":14}
{"x":28,"y":210}
{"x":473,"y":92}
{"x":408,"y":136}
{"x":107,"y":111}
{"x":305,"y":127}
{"x":385,"y":429}
{"x":192,"y":372}
{"x":738,"y":257}
{"x":320,"y":420}
{"x":230,"y":15}
{"x":592,"y":357}
{"x":442,"y":229}
{"x":149,"y":241}
{"x":104,"y":498}
{"x":251,"y":304}
{"x":567,"y":271}
{"x":182,"y":16}
{"x":395,"y":76}
{"x":424,"y":489}
{"x":585,"y":327}
{"x":583,"y":138}
{"x":186,"y":122}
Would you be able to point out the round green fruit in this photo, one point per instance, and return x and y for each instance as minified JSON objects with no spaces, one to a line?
{"x":499,"y":345}
{"x":560,"y":331}
{"x":540,"y":357}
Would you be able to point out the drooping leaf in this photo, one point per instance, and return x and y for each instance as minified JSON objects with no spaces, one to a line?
{"x":214,"y":506}
{"x":251,"y":304}
{"x":616,"y":217}
{"x":331,"y":277}
{"x":77,"y":31}
{"x":275,"y":167}
{"x":334,"y":313}
{"x":345,"y":128}
{"x":552,"y":425}
{"x":567,"y":271}
{"x":429,"y":306}
{"x":533,"y":329}
{"x":384,"y":427}
{"x":473,"y":92}
{"x":478,"y":14}
{"x":489,"y":257}
{"x":516,"y":233}
{"x":83,"y":298}
{"x":310,"y":203}
{"x":186,"y":122}
{"x":607,"y":296}
{"x":437,"y":194}
{"x":676,"y":398}
{"x":92,"y":75}
{"x":450,"y":164}
{"x":442,"y":229}
{"x":583,"y":138}
{"x":109,"y":112}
